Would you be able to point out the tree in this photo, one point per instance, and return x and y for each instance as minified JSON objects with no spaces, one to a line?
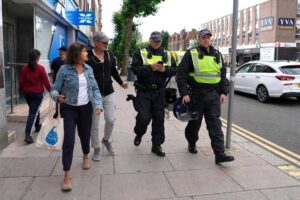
{"x":132,"y":9}
{"x":166,"y":37}
{"x":118,"y":43}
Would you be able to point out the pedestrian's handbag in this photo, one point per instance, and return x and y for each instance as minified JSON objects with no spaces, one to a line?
{"x":171,"y":93}
{"x":51,"y":135}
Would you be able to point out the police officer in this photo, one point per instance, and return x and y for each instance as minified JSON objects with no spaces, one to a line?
{"x":202,"y":84}
{"x":152,"y":66}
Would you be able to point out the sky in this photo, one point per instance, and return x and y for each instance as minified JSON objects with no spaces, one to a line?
{"x":175,"y":15}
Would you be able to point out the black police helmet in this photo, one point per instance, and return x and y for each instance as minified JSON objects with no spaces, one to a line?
{"x":182,"y":112}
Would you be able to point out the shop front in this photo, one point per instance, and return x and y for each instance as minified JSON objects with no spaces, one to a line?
{"x":44,"y":25}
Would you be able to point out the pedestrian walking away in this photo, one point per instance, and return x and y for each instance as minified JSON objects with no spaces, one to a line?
{"x":152,"y":65}
{"x":202,"y":84}
{"x":104,"y":66}
{"x":55,"y":66}
{"x":33,"y":80}
{"x":78,"y":89}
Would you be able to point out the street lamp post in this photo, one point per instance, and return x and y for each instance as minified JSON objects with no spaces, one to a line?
{"x":232,"y":71}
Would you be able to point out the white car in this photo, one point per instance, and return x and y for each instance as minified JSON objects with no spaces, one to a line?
{"x":269,"y":79}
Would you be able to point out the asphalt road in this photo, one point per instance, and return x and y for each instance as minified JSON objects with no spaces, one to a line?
{"x":278,"y":121}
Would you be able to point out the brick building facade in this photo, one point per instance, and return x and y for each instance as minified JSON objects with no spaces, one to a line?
{"x":267,"y":25}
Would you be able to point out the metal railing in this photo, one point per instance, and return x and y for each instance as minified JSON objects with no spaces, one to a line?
{"x":13,"y":83}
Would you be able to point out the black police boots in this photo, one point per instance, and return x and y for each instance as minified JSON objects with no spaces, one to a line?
{"x":192,"y":148}
{"x":158,"y":151}
{"x":220,"y":158}
{"x":137,"y":140}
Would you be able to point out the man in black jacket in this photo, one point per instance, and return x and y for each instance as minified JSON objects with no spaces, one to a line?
{"x":55,"y":66}
{"x":202,"y":84}
{"x":104,"y":66}
{"x":152,"y":65}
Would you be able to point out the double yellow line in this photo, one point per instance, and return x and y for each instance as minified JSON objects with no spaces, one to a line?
{"x":274,"y":148}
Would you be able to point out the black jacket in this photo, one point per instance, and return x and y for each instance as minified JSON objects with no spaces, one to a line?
{"x":186,"y":66}
{"x":103,"y":71}
{"x":145,"y":75}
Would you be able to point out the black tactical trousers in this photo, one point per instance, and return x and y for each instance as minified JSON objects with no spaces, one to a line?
{"x":208,"y":104}
{"x":150,"y":106}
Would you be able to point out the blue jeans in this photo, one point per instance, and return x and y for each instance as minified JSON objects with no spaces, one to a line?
{"x":34,"y":101}
{"x":80,"y":117}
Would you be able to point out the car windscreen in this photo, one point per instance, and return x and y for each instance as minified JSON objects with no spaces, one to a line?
{"x":291,"y":69}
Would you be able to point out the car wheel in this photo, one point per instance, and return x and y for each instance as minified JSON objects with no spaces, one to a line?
{"x":262,"y":94}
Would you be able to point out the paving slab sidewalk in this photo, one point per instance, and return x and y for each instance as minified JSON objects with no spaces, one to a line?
{"x":134,"y":173}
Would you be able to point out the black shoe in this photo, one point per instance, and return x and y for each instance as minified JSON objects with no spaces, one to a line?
{"x":137,"y":140}
{"x":192,"y":148}
{"x":38,"y":128}
{"x":220,"y":158}
{"x":55,"y":115}
{"x":28,"y":140}
{"x":158,"y":151}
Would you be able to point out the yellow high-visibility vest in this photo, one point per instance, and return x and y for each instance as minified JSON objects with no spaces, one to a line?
{"x":155,"y":58}
{"x":207,"y":70}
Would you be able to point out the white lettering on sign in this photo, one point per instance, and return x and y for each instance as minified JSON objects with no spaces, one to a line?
{"x":85,"y":18}
{"x":267,"y":22}
{"x":286,"y":22}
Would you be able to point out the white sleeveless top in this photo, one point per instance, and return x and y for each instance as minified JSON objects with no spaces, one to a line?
{"x":83,"y":96}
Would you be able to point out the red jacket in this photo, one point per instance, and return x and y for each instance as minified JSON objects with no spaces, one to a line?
{"x":34,"y":81}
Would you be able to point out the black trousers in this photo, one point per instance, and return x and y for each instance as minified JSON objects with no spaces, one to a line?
{"x":150,"y":106}
{"x":34,"y":101}
{"x":80,"y":116}
{"x":208,"y":105}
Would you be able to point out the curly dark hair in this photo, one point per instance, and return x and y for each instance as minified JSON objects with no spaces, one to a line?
{"x":33,"y":56}
{"x":74,"y":52}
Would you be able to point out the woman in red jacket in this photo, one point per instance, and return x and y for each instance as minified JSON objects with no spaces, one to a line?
{"x":33,"y":80}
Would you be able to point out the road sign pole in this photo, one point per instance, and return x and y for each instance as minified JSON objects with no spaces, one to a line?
{"x":232,"y":71}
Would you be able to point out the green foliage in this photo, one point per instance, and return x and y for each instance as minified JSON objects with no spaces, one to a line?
{"x":140,"y":8}
{"x":165,"y":42}
{"x":126,"y":31}
{"x":117,"y":45}
{"x":143,"y":45}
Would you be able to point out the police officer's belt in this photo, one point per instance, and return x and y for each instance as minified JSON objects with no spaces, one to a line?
{"x":205,"y":88}
{"x":147,"y":87}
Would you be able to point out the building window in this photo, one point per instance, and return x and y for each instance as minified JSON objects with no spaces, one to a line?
{"x":298,"y":8}
{"x":45,"y":28}
{"x":298,"y":29}
{"x":244,"y":25}
{"x":239,"y":18}
{"x":257,"y":14}
{"x":228,"y":24}
{"x":249,"y":36}
{"x":250,"y":26}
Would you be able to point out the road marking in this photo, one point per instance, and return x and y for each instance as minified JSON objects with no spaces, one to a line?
{"x":264,"y":140}
{"x":294,"y":173}
{"x":262,"y":144}
{"x":287,"y":167}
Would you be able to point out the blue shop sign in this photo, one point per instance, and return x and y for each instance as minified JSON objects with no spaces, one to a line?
{"x":81,"y":18}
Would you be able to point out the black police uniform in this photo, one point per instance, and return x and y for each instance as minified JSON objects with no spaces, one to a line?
{"x":150,"y":87}
{"x":205,"y":98}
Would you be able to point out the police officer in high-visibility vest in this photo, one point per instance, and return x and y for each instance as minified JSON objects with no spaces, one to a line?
{"x":202,"y":83}
{"x":152,"y":65}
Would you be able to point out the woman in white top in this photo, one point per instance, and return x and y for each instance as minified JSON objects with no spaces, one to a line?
{"x":75,"y":88}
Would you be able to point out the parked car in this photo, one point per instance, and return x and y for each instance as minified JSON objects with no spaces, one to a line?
{"x":269,"y":79}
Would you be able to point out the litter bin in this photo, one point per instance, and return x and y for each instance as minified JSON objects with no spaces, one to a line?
{"x":130,"y":75}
